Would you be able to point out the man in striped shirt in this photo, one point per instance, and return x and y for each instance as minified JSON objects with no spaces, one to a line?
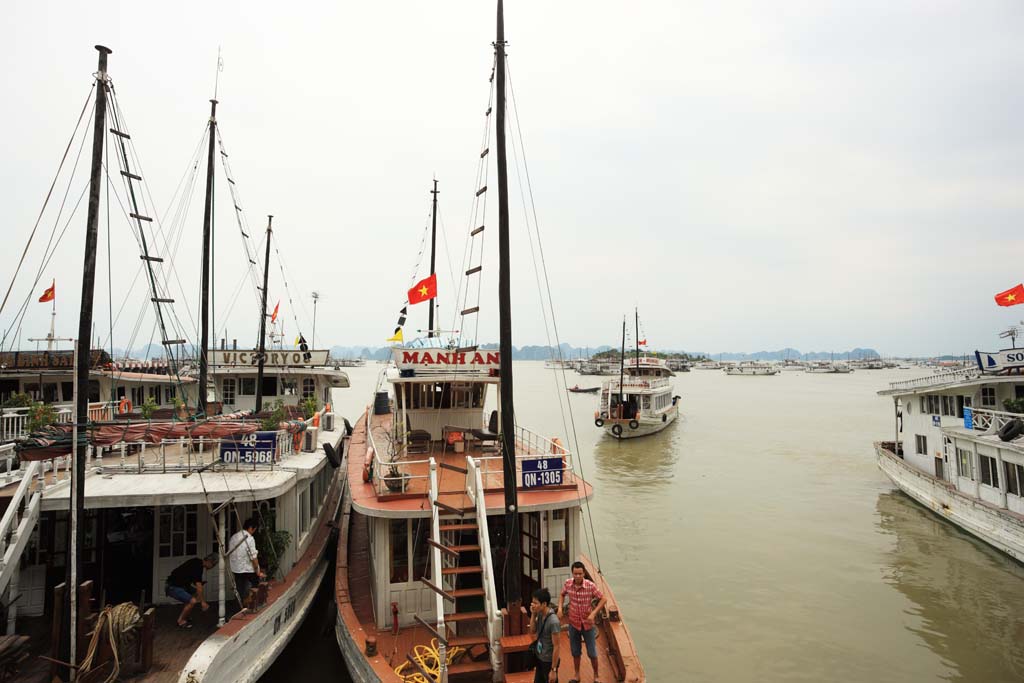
{"x":582,"y":594}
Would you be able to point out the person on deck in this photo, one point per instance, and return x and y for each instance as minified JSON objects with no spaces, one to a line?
{"x":185,"y":584}
{"x":242,"y":559}
{"x":547,"y":630}
{"x":582,"y":592}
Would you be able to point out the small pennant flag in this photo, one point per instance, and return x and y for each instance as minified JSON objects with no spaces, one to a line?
{"x":50,"y":293}
{"x":1010,"y":297}
{"x":273,"y":316}
{"x":424,"y":290}
{"x":642,"y":342}
{"x":298,"y":340}
{"x":397,"y":337}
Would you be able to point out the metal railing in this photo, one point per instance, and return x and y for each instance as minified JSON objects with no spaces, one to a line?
{"x":475,"y":491}
{"x":390,"y":475}
{"x":637,"y":383}
{"x":943,"y":377}
{"x":14,"y":421}
{"x":986,"y":420}
{"x":17,"y":523}
{"x":529,"y":446}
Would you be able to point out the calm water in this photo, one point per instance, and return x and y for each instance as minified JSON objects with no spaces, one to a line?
{"x":755,"y":539}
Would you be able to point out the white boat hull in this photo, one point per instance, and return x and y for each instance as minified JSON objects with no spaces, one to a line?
{"x":645,"y":425}
{"x":1001,"y":529}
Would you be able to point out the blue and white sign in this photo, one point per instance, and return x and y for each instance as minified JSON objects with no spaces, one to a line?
{"x":968,"y":418}
{"x":257,"y":448}
{"x":995,"y":361}
{"x":936,"y":421}
{"x":542,"y":472}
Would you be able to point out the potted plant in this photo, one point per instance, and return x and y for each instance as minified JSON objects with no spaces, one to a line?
{"x":309,"y":407}
{"x":271,"y":544}
{"x":148,"y":408}
{"x":180,"y":411}
{"x":40,"y":415}
{"x":395,"y":479}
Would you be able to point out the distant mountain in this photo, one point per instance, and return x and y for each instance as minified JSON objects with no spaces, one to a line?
{"x":789,"y":354}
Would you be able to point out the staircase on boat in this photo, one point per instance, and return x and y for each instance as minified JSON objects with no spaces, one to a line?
{"x":16,"y":527}
{"x":466,"y":599}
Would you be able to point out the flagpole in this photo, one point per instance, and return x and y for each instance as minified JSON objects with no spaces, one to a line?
{"x":53,"y":319}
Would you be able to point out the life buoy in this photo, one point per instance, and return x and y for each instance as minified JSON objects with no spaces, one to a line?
{"x":125,"y":406}
{"x":604,"y":415}
{"x":598,"y":422}
{"x":633,"y":424}
{"x":1011,"y":430}
{"x":617,"y":430}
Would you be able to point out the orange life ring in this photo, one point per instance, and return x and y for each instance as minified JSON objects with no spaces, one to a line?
{"x":125,"y":406}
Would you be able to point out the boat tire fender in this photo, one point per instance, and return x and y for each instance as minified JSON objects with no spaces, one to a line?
{"x":617,"y":430}
{"x":633,"y":424}
{"x":1011,"y":430}
{"x":599,"y":422}
{"x":332,"y":455}
{"x":664,"y":417}
{"x":348,"y":426}
{"x":604,"y":415}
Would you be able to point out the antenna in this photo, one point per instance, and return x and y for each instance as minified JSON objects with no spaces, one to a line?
{"x":216,"y":78}
{"x":1011,"y":333}
{"x":316,"y":298}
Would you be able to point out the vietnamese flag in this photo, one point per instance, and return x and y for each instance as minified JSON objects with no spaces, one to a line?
{"x":424,"y":290}
{"x":1010,"y":297}
{"x":273,"y":316}
{"x":49,"y":294}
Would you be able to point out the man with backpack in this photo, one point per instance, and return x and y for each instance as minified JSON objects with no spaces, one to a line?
{"x":545,"y":624}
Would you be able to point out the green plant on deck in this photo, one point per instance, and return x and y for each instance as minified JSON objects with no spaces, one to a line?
{"x":19,"y":401}
{"x":39,"y":416}
{"x":277,"y":416}
{"x":148,"y":407}
{"x":1013,"y":405}
{"x":309,"y":407}
{"x":271,"y":543}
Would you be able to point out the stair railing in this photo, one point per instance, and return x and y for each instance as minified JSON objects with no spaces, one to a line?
{"x":435,"y":564}
{"x":475,"y":491}
{"x":17,"y":523}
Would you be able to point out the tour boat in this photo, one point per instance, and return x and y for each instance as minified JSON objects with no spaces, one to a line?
{"x":752,"y":369}
{"x":957,"y":446}
{"x":143,"y":472}
{"x":455,"y":514}
{"x":640,"y":402}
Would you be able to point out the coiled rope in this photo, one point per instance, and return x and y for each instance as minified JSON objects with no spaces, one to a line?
{"x":121,"y":622}
{"x":428,"y":657}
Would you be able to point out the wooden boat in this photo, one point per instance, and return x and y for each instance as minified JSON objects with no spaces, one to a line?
{"x":584,"y":390}
{"x":453,"y":517}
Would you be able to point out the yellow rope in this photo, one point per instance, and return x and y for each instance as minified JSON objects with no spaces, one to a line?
{"x":428,"y":657}
{"x":120,"y":622}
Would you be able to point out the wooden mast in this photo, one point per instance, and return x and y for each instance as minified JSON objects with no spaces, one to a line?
{"x":76,"y":530}
{"x":263,"y":321}
{"x":622,"y":367}
{"x":433,"y":253}
{"x":513,"y":558}
{"x":204,"y":318}
{"x":636,"y":313}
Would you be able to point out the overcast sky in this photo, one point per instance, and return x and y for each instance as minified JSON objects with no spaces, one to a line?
{"x":752,"y":175}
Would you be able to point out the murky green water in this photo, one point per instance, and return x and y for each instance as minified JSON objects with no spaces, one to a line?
{"x":756,"y":540}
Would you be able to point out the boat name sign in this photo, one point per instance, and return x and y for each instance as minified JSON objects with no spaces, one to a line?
{"x":273,"y":358}
{"x":542,"y":472}
{"x":995,"y":361}
{"x":432,"y":359}
{"x":257,"y":448}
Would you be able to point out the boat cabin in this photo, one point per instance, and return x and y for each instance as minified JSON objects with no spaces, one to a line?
{"x":289,"y":375}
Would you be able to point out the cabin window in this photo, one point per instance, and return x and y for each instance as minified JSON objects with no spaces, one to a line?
{"x":304,"y":510}
{"x":948,"y":406}
{"x":67,"y":391}
{"x":50,"y":392}
{"x":1014,"y":478}
{"x":921,"y":444}
{"x":989,"y":471}
{"x":270,"y":386}
{"x":94,"y":390}
{"x":556,"y":544}
{"x":138,"y":396}
{"x":154,"y":393}
{"x":308,"y":388}
{"x":227,"y":392}
{"x":170,"y":392}
{"x":988,"y":397}
{"x":247,"y":386}
{"x":399,"y":550}
{"x":178,"y":535}
{"x":647,"y":402}
{"x":966,"y":463}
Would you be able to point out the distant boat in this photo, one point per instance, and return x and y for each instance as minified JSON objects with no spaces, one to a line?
{"x":584,"y":390}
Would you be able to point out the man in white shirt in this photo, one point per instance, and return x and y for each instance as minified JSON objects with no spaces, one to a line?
{"x":242,"y":559}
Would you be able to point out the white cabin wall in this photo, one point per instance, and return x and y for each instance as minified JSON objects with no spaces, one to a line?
{"x":434,"y":420}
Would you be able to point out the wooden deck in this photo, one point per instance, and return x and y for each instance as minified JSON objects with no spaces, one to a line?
{"x":371,"y":497}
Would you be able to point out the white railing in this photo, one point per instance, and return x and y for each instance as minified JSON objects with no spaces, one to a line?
{"x":17,"y":523}
{"x":529,"y":446}
{"x":436,"y":573}
{"x":637,"y":383}
{"x":475,"y":491}
{"x":943,"y":377}
{"x":391,"y":475}
{"x":985,"y":420}
{"x":14,"y":421}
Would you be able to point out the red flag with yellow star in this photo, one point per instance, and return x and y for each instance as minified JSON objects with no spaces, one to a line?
{"x":424,"y":290}
{"x":1011,"y":297}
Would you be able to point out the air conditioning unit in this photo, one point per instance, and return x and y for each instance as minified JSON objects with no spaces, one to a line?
{"x":327,"y":422}
{"x":309,"y":442}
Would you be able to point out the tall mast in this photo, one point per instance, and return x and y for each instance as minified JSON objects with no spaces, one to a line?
{"x":513,"y":558}
{"x":204,"y":318}
{"x":636,"y":313}
{"x":622,"y":364}
{"x":433,"y":253}
{"x":76,"y":531}
{"x":263,"y":321}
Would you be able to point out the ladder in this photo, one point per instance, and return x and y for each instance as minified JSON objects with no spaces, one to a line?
{"x":16,"y":527}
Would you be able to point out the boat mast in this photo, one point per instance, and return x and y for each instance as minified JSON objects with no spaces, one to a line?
{"x":513,"y":558}
{"x":263,"y":321}
{"x":622,"y":365}
{"x":76,"y":530}
{"x":204,"y":318}
{"x":433,"y":250}
{"x":637,"y":340}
